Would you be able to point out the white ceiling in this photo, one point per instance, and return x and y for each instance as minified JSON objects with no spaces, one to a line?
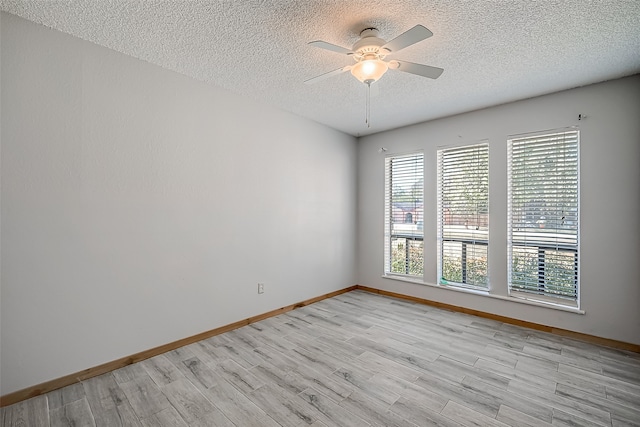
{"x":492,"y":51}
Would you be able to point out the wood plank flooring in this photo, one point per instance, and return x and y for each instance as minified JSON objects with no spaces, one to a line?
{"x":358,"y":359}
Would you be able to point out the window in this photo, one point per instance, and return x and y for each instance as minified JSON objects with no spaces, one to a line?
{"x":543,"y":216}
{"x":463,"y":216}
{"x":404,"y":246}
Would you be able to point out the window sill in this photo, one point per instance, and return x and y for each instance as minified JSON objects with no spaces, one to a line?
{"x":517,"y":299}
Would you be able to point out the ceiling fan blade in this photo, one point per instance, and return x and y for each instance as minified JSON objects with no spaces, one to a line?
{"x":409,"y":37}
{"x":327,"y":75}
{"x":331,"y":47}
{"x":418,"y":69}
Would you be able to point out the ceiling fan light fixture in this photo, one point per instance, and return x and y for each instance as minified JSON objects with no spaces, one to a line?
{"x":369,"y":70}
{"x":369,"y":52}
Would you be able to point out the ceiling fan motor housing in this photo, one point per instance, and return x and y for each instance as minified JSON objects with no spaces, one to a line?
{"x":368,"y":47}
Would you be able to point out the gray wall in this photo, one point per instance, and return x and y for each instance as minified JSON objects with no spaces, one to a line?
{"x":140,"y":206}
{"x":610,"y":203}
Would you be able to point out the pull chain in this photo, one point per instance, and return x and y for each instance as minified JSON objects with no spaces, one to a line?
{"x":367,"y":119}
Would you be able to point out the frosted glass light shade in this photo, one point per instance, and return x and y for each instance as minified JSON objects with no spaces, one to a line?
{"x":369,"y":70}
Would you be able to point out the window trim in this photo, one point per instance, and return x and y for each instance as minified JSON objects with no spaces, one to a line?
{"x":486,"y":294}
{"x":517,"y":294}
{"x":388,"y":217}
{"x":484,"y":143}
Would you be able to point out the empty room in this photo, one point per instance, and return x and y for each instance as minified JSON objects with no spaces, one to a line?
{"x":319,"y":213}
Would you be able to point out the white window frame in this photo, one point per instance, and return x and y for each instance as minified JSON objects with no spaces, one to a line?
{"x":469,"y":228}
{"x":523,"y":233}
{"x":411,"y":233}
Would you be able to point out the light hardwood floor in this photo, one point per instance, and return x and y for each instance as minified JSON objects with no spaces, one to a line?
{"x":358,"y":359}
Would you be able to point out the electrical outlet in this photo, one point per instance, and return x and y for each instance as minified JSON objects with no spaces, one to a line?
{"x":261,"y":288}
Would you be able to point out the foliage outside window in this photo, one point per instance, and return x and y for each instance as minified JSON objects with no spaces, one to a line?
{"x":543,"y":233}
{"x":463,"y":216}
{"x":404,"y":246}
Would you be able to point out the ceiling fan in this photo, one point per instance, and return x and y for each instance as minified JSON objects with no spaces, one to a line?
{"x":370,"y":51}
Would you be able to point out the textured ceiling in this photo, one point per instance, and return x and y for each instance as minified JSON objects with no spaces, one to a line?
{"x":492,"y":51}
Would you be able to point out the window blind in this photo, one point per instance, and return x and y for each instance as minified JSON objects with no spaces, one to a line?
{"x":543,"y":215}
{"x":404,"y":246}
{"x":463,"y":215}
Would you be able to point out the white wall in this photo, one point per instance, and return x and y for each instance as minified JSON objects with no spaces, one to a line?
{"x":610,"y":203}
{"x":140,"y":206}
